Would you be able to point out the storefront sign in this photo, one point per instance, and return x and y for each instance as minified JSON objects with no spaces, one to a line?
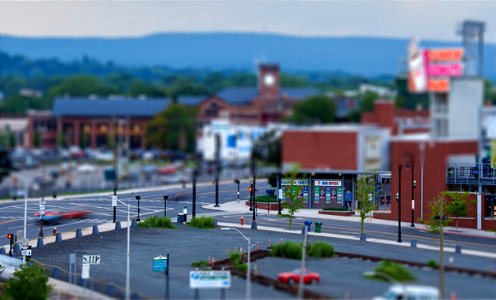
{"x":327,"y":182}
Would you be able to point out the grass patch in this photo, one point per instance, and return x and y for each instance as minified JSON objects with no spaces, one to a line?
{"x":202,"y":222}
{"x":200,"y":264}
{"x":336,"y":208}
{"x":394,"y":270}
{"x":235,"y":258}
{"x":156,"y":222}
{"x":294,"y":250}
{"x":266,"y":198}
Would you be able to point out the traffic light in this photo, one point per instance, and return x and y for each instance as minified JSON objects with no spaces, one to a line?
{"x":10,"y":236}
{"x":250,"y":189}
{"x":236,"y":181}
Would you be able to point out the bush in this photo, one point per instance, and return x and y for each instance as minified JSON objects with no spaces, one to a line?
{"x":294,"y":250}
{"x":156,"y":222}
{"x":266,"y":198}
{"x":28,"y":282}
{"x":235,"y":258}
{"x":340,"y":208}
{"x":202,"y":222}
{"x":394,"y":270}
{"x":200,"y":264}
{"x":320,"y":249}
{"x":432,"y":263}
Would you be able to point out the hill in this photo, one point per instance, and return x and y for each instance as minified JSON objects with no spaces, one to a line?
{"x":365,"y":56}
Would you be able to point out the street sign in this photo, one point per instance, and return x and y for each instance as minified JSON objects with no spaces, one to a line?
{"x":26,"y":252}
{"x":85,"y":271}
{"x":114,"y":200}
{"x":91,"y":259}
{"x":24,"y":243}
{"x":160,"y":264}
{"x":209,"y":279}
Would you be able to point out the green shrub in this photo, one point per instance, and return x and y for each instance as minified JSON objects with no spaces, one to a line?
{"x":156,"y":222}
{"x":432,"y":263}
{"x":200,"y":264}
{"x":202,"y":222}
{"x":320,"y":249}
{"x":334,"y":208}
{"x":266,"y":198}
{"x":294,"y":250}
{"x":28,"y":282}
{"x":235,"y":258}
{"x":394,"y":270}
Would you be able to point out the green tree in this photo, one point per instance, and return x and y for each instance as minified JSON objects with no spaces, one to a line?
{"x":292,"y":201}
{"x":314,"y":110}
{"x":438,"y":210}
{"x":36,"y":139}
{"x":174,"y":128}
{"x":457,"y":205}
{"x":365,"y":193}
{"x":28,"y":282}
{"x":5,"y":164}
{"x":268,"y":148}
{"x":82,"y":85}
{"x":367,"y":101}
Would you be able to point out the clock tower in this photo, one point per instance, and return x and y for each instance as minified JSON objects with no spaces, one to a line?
{"x":268,"y":80}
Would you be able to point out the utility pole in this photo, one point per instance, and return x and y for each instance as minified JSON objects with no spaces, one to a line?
{"x":442,"y":218}
{"x":195,"y":173}
{"x":398,"y":198}
{"x":217,"y":168}
{"x":302,"y":266}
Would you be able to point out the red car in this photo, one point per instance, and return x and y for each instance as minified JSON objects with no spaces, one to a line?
{"x":75,"y":214}
{"x":294,"y":277}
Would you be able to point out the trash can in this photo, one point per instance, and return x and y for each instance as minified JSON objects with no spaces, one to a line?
{"x":318,"y":227}
{"x":180,"y":218}
{"x":308,"y":223}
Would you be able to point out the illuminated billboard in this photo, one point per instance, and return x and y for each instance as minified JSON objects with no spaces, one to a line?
{"x":429,"y":70}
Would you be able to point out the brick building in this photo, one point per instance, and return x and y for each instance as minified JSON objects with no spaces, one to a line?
{"x":268,"y":102}
{"x":87,"y":122}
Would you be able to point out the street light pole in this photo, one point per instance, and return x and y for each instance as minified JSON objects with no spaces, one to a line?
{"x":195,"y":173}
{"x":138,"y":198}
{"x":25,"y":218}
{"x":128,"y":258}
{"x":165,"y":205}
{"x":414,"y":184}
{"x":248,"y":262}
{"x":279,"y":212}
{"x":398,"y":198}
{"x":422,"y":160}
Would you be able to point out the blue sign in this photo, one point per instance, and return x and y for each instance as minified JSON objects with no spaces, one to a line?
{"x":347,"y":196}
{"x":231,"y":141}
{"x":160,"y":264}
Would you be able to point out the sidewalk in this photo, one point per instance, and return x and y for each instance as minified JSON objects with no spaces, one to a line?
{"x":235,"y":207}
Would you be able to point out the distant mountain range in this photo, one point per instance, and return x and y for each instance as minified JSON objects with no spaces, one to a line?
{"x":365,"y":56}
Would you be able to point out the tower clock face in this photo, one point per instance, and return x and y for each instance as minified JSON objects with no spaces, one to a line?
{"x":269,"y":80}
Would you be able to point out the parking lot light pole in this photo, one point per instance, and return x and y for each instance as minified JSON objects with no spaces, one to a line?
{"x":138,"y":218}
{"x":128,"y":257}
{"x":165,"y":205}
{"x":248,"y":262}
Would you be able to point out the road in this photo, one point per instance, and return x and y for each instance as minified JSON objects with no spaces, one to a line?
{"x":152,"y":203}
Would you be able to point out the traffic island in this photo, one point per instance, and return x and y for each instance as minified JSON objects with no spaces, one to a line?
{"x":336,"y":213}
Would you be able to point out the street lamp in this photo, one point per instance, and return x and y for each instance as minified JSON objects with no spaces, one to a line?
{"x":248,"y":262}
{"x":138,"y":198}
{"x":398,"y":199}
{"x":128,"y":257}
{"x":414,"y":185}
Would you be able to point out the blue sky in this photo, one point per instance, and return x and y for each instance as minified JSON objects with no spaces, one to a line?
{"x":428,"y":19}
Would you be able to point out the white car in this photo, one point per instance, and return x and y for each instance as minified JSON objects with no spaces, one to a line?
{"x":410,"y":292}
{"x":86,"y":168}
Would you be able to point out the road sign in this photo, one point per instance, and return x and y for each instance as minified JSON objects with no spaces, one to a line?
{"x":160,"y":264}
{"x":85,"y":271}
{"x":114,"y":200}
{"x":209,"y":279}
{"x":24,"y":243}
{"x":91,"y":259}
{"x":26,"y":252}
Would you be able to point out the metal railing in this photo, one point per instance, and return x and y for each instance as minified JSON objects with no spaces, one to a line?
{"x":473,"y":174}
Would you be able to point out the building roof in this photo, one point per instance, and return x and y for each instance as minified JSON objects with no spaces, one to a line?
{"x":239,"y":95}
{"x":190,"y":100}
{"x":122,"y":107}
{"x":299,"y":93}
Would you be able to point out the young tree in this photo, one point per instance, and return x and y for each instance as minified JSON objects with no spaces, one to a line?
{"x":28,"y":282}
{"x":293,"y":203}
{"x":365,"y":193}
{"x":438,"y":207}
{"x":458,"y":204}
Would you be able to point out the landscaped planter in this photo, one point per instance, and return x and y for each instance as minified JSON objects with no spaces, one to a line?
{"x":263,"y":205}
{"x":336,"y":213}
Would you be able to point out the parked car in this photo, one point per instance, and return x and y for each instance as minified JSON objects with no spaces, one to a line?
{"x":86,"y":168}
{"x":410,"y":292}
{"x":294,"y":277}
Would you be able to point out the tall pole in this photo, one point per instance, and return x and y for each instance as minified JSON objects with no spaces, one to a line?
{"x":302,"y":267}
{"x":114,"y":218}
{"x":217,"y":167}
{"x":138,"y":198}
{"x":25,"y":218}
{"x":128,"y":258}
{"x":194,"y":193}
{"x":399,"y":203}
{"x":278,"y":178}
{"x":165,"y":205}
{"x":412,"y":224}
{"x":422,"y":160}
{"x":441,"y":253}
{"x":248,"y":271}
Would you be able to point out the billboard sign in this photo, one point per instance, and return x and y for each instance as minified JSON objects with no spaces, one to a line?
{"x":430,"y":70}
